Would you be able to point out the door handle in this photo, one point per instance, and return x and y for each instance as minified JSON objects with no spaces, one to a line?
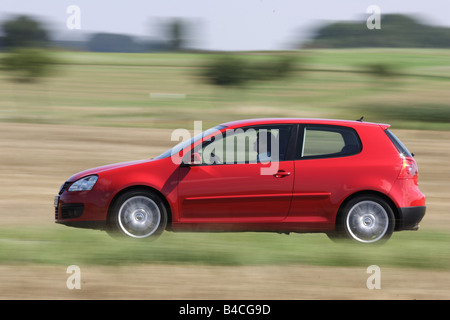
{"x":281,"y":174}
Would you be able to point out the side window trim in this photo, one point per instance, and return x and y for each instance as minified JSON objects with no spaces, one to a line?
{"x":325,"y":127}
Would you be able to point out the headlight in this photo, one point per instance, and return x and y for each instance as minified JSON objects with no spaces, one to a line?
{"x":84,"y":184}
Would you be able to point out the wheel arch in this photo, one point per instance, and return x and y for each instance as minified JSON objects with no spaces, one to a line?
{"x":383,"y":196}
{"x":146,"y":188}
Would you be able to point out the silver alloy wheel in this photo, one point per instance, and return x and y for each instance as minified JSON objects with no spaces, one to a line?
{"x":367,"y":221}
{"x":139,"y":217}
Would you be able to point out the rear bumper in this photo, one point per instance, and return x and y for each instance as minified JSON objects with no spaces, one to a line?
{"x":410,"y":217}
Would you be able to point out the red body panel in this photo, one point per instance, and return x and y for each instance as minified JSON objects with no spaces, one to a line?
{"x":233,"y":193}
{"x":237,"y":197}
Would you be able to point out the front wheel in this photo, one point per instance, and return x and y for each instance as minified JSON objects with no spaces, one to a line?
{"x":138,"y":214}
{"x":366,"y":219}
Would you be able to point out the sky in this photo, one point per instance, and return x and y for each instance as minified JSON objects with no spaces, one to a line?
{"x":219,"y":24}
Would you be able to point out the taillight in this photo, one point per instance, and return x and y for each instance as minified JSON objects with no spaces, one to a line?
{"x":409,"y":169}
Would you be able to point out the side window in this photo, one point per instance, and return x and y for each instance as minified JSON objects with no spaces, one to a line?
{"x":328,"y":142}
{"x":247,"y":145}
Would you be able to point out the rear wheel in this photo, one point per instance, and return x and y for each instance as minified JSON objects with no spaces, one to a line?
{"x":138,"y":214}
{"x":366,"y":219}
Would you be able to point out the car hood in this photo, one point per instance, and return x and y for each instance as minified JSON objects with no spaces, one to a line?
{"x":97,"y":170}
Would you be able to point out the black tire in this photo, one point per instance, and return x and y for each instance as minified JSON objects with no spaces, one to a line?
{"x":137,"y":214}
{"x":366,"y":219}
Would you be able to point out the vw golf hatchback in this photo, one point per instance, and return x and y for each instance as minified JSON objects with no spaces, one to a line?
{"x":348,"y":179}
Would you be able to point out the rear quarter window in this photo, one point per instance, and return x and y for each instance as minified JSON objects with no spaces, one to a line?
{"x":321,"y":141}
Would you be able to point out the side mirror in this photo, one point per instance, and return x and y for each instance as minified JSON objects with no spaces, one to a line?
{"x":190,"y":159}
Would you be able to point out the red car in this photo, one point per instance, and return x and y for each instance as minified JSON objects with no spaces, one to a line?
{"x":348,"y":179}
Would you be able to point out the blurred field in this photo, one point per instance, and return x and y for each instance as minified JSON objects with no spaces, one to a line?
{"x":98,"y":109}
{"x":221,"y":283}
{"x":116,"y":90}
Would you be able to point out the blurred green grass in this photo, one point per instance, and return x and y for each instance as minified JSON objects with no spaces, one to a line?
{"x":61,"y":246}
{"x":113,"y":89}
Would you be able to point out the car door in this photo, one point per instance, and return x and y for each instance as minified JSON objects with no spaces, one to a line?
{"x":235,"y":181}
{"x":325,"y":162}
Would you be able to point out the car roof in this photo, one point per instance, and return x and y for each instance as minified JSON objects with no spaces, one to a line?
{"x":263,"y":121}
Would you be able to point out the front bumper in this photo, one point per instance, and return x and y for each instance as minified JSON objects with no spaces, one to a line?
{"x":97,"y":225}
{"x":410,"y":217}
{"x":76,"y":210}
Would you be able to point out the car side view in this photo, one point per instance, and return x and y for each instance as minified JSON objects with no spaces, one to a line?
{"x":349,"y":179}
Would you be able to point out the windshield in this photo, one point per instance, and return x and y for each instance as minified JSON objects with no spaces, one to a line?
{"x":186,"y":143}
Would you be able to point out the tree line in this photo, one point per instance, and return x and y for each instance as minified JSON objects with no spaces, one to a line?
{"x":397,"y":31}
{"x":25,"y":40}
{"x":25,"y":31}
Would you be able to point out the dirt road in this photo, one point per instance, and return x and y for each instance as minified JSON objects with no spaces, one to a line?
{"x":36,"y":159}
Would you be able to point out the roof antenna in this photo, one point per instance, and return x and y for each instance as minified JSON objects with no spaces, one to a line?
{"x":361,"y":119}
